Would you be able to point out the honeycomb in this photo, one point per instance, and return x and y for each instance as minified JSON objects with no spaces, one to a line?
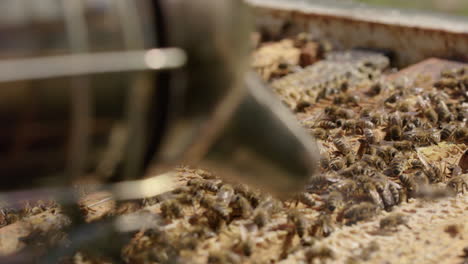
{"x":392,"y":186}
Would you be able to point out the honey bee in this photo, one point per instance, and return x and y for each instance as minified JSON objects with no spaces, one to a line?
{"x":452,"y":73}
{"x":317,"y":182}
{"x":366,"y":112}
{"x":420,"y":178}
{"x":339,"y":99}
{"x":416,"y":164}
{"x":409,"y":127}
{"x":252,"y":196}
{"x":345,"y":113}
{"x":171,"y":209}
{"x":271,"y":205}
{"x":225,"y":194}
{"x":350,"y":158}
{"x":395,"y":190}
{"x":403,"y":106}
{"x":447,"y":132}
{"x":397,"y":166}
{"x":340,"y":122}
{"x":431,"y":114}
{"x":220,"y":210}
{"x":369,"y":136}
{"x":360,"y":212}
{"x":244,"y":247}
{"x":205,"y":174}
{"x":446,"y":83}
{"x":182,"y":189}
{"x":319,"y":133}
{"x":241,"y":207}
{"x":434,"y":174}
{"x":306,"y":199}
{"x":334,"y":201}
{"x":324,"y":162}
{"x":331,"y":110}
{"x":188,"y":241}
{"x":301,"y":106}
{"x":342,"y":146}
{"x":394,"y":132}
{"x":299,"y":221}
{"x":461,"y":134}
{"x":423,"y":136}
{"x":203,"y":184}
{"x":322,"y":227}
{"x":457,"y":185}
{"x":408,"y":182}
{"x":461,"y":113}
{"x":387,"y":195}
{"x":403,"y":196}
{"x":366,"y":252}
{"x":335,"y":112}
{"x":207,"y":202}
{"x":392,"y":221}
{"x":349,"y":125}
{"x":371,"y":190}
{"x":348,"y":188}
{"x":326,"y":124}
{"x":247,"y":247}
{"x":443,"y":112}
{"x":185,"y":198}
{"x":374,"y":90}
{"x":366,"y":148}
{"x":404,"y":145}
{"x":352,"y":100}
{"x":358,"y":168}
{"x":322,"y":253}
{"x":465,"y":255}
{"x":365,"y":124}
{"x":288,"y":241}
{"x":198,"y":195}
{"x":337,"y":164}
{"x":377,"y":118}
{"x":393,"y":98}
{"x":261,"y":218}
{"x":374,"y":161}
{"x":395,"y":120}
{"x":455,"y":170}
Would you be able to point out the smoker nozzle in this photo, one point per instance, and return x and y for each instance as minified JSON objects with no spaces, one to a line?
{"x":258,"y":142}
{"x":262,"y":145}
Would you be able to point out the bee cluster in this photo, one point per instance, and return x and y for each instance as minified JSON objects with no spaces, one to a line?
{"x":12,"y":214}
{"x":335,"y":73}
{"x":383,"y":142}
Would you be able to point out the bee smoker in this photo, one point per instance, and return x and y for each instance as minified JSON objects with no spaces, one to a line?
{"x":109,"y":89}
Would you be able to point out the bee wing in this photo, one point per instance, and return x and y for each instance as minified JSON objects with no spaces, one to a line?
{"x":394,"y":184}
{"x":313,"y":118}
{"x":374,"y":195}
{"x":423,"y":103}
{"x":423,"y":160}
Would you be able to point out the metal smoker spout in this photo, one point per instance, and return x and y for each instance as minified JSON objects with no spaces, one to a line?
{"x":259,"y":143}
{"x":247,"y":134}
{"x":201,"y":107}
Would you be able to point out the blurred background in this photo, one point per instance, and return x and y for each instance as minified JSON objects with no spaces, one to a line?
{"x":455,"y":7}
